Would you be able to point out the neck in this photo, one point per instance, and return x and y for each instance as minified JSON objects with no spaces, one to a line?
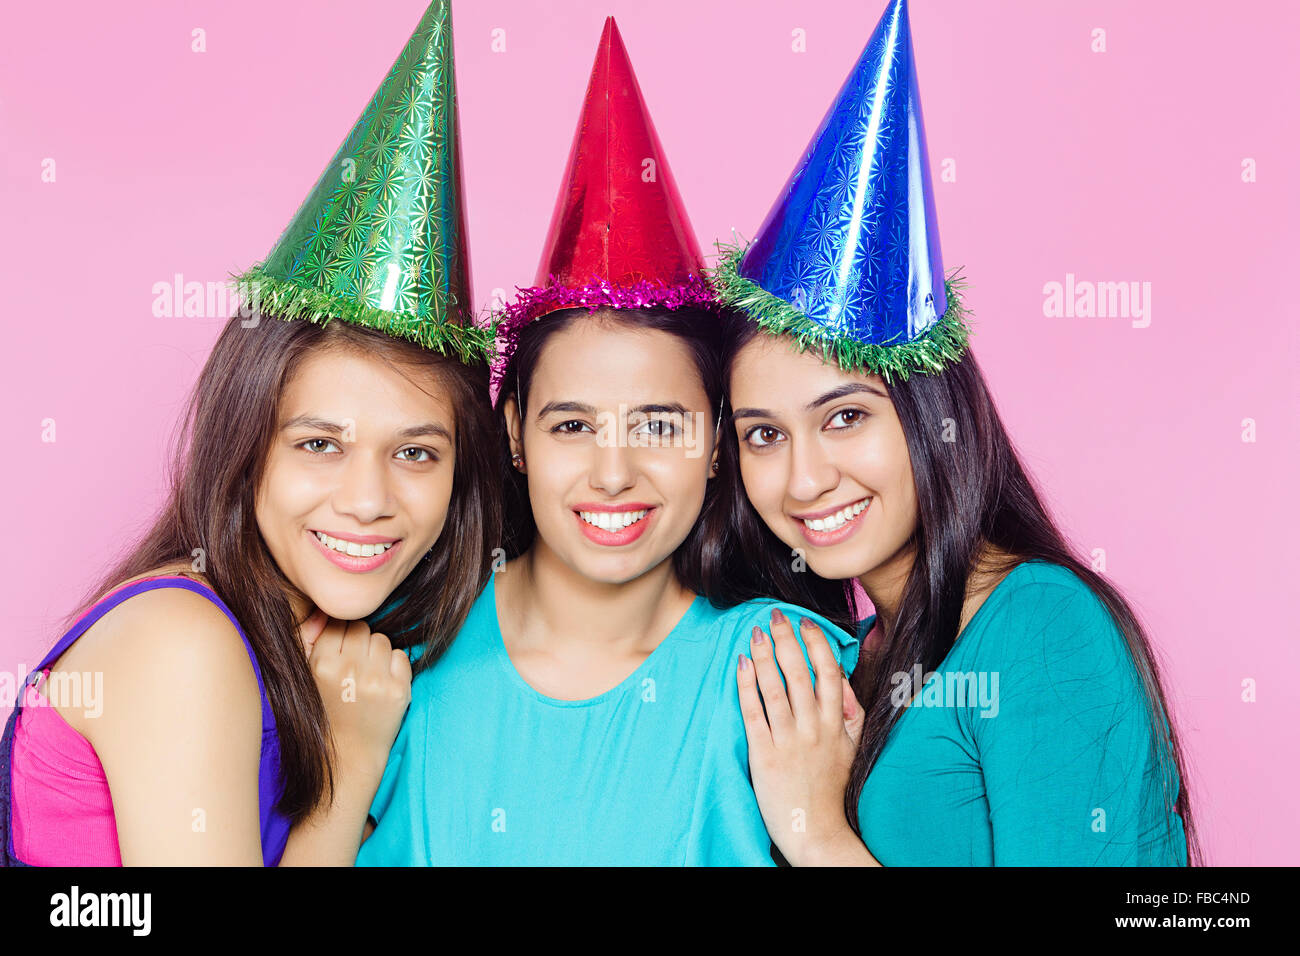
{"x":884,"y":585}
{"x":546,"y":602}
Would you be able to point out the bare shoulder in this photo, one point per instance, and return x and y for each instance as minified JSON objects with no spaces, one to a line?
{"x":172,"y":639}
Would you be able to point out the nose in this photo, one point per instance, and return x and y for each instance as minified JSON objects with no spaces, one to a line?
{"x":364,"y":492}
{"x":612,"y":470}
{"x":812,"y":472}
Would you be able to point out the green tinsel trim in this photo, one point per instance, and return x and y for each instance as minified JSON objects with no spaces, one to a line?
{"x":943,"y":344}
{"x":285,"y":300}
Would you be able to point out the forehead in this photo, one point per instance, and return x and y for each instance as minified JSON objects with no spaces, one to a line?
{"x":770,"y":371}
{"x":346,"y":383}
{"x":603,"y":362}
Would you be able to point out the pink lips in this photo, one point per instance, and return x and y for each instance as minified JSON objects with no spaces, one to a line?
{"x":823,"y":539}
{"x":354,"y":564}
{"x":623,"y":536}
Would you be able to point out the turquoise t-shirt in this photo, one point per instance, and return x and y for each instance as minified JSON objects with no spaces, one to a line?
{"x":1030,"y":745}
{"x":655,"y":771}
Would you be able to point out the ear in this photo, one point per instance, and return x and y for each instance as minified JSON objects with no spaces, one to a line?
{"x":514,"y":427}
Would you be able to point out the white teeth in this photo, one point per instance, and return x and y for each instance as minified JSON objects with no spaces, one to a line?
{"x":839,"y":519}
{"x":612,"y":520}
{"x":351,"y":547}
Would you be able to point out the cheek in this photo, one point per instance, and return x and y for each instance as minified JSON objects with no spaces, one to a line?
{"x":679,"y":479}
{"x":763,"y":484}
{"x":428,"y":498}
{"x":285,"y":492}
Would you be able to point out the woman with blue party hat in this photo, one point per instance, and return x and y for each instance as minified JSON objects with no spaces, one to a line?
{"x":1011,"y":706}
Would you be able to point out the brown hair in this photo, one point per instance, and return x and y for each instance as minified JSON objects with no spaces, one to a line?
{"x":221,"y":449}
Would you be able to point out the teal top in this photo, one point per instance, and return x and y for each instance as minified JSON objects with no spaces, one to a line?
{"x":487,"y":771}
{"x":1031,"y":744}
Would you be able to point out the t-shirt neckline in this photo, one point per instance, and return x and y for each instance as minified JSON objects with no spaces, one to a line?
{"x":503,"y":656}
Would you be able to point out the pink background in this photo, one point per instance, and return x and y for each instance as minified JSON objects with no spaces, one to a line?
{"x":1116,"y":166}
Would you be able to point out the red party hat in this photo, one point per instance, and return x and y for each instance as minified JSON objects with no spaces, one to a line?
{"x":619,"y":236}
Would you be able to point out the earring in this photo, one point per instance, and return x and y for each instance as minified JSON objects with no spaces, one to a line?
{"x":516,"y":460}
{"x":715,"y":467}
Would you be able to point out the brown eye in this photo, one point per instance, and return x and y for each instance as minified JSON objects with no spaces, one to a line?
{"x":760,"y":436}
{"x":572,"y":427}
{"x":848,"y":417}
{"x":406,"y":453}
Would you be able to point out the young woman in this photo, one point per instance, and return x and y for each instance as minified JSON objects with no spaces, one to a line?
{"x":1056,"y":748}
{"x":586,"y":713}
{"x":1012,"y":711}
{"x":330,"y":468}
{"x":335,"y":464}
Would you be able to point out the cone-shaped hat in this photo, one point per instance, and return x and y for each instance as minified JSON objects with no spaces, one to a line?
{"x":847,"y":261}
{"x":619,"y":236}
{"x":380,"y":240}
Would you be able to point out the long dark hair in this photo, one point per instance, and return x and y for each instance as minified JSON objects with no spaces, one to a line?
{"x":701,"y":561}
{"x":221,"y":447}
{"x":972,"y":494}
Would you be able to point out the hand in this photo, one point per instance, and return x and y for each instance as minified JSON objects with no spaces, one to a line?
{"x":801,"y":752}
{"x":365,"y":685}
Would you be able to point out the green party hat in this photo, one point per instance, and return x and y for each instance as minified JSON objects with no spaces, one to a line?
{"x":380,"y":240}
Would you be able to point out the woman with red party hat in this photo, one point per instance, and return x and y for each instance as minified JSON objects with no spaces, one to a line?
{"x":586,"y":712}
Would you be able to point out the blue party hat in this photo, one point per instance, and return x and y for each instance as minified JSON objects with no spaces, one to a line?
{"x":847,"y":261}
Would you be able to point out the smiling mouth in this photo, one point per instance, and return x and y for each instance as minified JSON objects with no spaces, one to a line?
{"x":613,"y":520}
{"x":837,"y":520}
{"x":352,"y":548}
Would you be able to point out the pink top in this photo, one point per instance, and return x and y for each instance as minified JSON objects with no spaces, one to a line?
{"x":55,"y":805}
{"x":59,"y":792}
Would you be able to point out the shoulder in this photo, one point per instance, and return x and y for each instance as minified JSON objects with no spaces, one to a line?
{"x":473,"y":645}
{"x":1038,"y":593}
{"x":172,"y":633}
{"x":1044,"y":621}
{"x":737,"y":624}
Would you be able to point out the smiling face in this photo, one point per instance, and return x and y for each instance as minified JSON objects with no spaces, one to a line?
{"x":358,"y":479}
{"x":824,"y":460}
{"x":617,"y":446}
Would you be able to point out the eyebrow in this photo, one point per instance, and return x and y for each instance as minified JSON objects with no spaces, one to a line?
{"x":851,"y":388}
{"x":423,"y":430}
{"x":583,"y":409}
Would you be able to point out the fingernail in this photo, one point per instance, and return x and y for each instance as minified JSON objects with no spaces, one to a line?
{"x":777,"y":616}
{"x":744,"y":662}
{"x":757,"y":635}
{"x":804,"y":622}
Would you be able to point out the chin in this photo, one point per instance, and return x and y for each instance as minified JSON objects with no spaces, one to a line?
{"x":343,"y":605}
{"x":611,"y":569}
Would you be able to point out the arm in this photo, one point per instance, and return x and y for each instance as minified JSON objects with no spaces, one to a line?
{"x":179,"y":736}
{"x":1067,"y":757}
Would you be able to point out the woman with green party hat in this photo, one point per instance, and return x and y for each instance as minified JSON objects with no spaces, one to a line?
{"x":1012,"y":706}
{"x":587,"y":714}
{"x":334,"y":468}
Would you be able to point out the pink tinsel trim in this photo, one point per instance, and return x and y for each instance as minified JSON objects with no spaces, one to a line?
{"x":536,"y":301}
